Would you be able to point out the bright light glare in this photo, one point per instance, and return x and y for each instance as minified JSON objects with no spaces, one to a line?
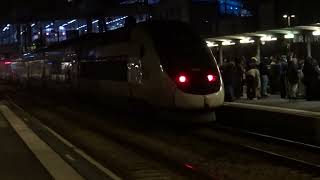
{"x":246,"y":41}
{"x":268,"y":38}
{"x":211,"y":44}
{"x":316,"y":33}
{"x":189,"y":166}
{"x":285,"y":16}
{"x":228,"y":43}
{"x":293,"y":16}
{"x":211,"y":78}
{"x":72,"y":21}
{"x":182,"y":79}
{"x":289,"y":36}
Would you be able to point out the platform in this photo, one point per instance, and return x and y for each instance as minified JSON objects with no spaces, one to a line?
{"x":276,"y":104}
{"x":17,"y":161}
{"x":297,"y":120}
{"x":276,"y":101}
{"x":32,"y":151}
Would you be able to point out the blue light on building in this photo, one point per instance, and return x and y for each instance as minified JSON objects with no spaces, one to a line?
{"x":228,"y":7}
{"x":233,"y":7}
{"x":150,"y":2}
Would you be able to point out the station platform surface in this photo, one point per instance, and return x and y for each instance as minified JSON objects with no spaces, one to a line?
{"x":16,"y":160}
{"x":274,"y":103}
{"x":31,"y":151}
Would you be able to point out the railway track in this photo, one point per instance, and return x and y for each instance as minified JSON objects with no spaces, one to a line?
{"x":201,"y":152}
{"x":132,"y":156}
{"x":295,"y":154}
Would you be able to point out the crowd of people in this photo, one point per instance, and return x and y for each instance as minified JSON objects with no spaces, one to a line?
{"x":288,"y":76}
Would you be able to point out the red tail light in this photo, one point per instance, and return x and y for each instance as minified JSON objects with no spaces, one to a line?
{"x":212,"y":78}
{"x":182,"y":79}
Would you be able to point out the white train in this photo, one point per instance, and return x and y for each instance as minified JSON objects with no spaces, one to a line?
{"x":163,"y":64}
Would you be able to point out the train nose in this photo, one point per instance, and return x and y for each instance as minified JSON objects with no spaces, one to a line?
{"x":198,"y":82}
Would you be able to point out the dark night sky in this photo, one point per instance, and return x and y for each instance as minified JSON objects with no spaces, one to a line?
{"x":32,"y":8}
{"x":306,"y":11}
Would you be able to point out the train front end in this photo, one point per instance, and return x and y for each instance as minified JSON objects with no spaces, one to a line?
{"x":190,"y":65}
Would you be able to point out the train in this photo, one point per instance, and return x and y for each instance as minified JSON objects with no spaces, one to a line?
{"x":160,"y":63}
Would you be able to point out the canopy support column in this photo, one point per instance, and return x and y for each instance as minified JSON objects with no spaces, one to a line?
{"x":258,"y":46}
{"x":309,"y":49}
{"x":220,"y":54}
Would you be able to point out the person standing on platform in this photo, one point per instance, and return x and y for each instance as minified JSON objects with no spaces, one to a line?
{"x":228,"y":74}
{"x":264,"y":72}
{"x":293,"y":77}
{"x":239,"y":78}
{"x":283,"y":77}
{"x":311,"y":73}
{"x":301,"y":87}
{"x":253,"y":80}
{"x":274,"y":75}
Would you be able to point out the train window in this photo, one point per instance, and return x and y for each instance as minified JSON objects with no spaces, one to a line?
{"x":104,"y":70}
{"x":179,"y":47}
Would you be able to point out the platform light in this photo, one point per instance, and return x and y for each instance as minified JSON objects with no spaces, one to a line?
{"x":119,"y":19}
{"x":81,"y":27}
{"x":316,"y":33}
{"x":246,"y":41}
{"x":93,"y":22}
{"x":228,"y":43}
{"x":289,"y":36}
{"x":6,"y":28}
{"x":285,"y":16}
{"x":72,"y":21}
{"x":211,"y":44}
{"x":32,"y":25}
{"x":268,"y":38}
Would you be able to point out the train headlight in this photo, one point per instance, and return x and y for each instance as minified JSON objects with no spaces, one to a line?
{"x":182,"y":79}
{"x":212,"y":78}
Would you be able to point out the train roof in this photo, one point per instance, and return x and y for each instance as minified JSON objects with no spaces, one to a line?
{"x":119,"y":35}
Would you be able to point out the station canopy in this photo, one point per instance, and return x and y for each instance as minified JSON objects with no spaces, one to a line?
{"x":264,"y":35}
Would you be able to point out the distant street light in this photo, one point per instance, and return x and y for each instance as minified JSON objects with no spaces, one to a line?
{"x":289,"y":17}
